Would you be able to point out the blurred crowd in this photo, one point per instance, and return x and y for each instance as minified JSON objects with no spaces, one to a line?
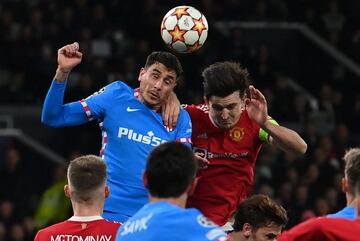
{"x":116,"y":36}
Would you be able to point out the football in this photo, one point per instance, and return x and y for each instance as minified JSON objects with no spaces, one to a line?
{"x":184,"y":29}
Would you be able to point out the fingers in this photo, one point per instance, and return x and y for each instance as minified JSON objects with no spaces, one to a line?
{"x":71,"y":50}
{"x":165,"y":115}
{"x":202,"y":161}
{"x":173,"y":118}
{"x":255,"y":93}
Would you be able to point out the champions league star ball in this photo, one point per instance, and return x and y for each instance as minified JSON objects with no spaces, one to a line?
{"x":184,"y":29}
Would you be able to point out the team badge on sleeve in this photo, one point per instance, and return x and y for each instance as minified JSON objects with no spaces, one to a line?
{"x":205,"y":222}
{"x":97,"y":92}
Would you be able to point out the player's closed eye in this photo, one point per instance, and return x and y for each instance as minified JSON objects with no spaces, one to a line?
{"x":168,"y":81}
{"x":155,"y":76}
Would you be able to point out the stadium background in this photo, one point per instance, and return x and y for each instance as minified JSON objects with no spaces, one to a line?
{"x":304,"y":56}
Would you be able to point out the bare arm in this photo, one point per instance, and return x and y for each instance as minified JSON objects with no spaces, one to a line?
{"x":282,"y":137}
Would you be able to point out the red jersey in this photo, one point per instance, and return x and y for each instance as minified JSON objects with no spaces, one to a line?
{"x":231,"y":154}
{"x":324,"y":229}
{"x":80,"y":228}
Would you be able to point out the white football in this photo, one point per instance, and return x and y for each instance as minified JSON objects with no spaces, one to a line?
{"x":184,"y":29}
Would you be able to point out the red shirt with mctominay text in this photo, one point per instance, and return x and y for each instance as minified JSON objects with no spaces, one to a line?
{"x":80,"y":228}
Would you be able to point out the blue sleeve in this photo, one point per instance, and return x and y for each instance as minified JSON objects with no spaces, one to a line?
{"x":184,"y":129}
{"x":57,"y":114}
{"x":206,"y":229}
{"x":103,"y":99}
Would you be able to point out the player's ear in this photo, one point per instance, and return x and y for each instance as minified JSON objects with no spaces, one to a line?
{"x":107,"y":191}
{"x":67,"y":191}
{"x":141,"y":73}
{"x":344,"y":185}
{"x":206,"y":100}
{"x":145,"y":180}
{"x":191,"y":189}
{"x":247,"y":229}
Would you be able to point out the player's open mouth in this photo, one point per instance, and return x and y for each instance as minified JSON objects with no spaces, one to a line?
{"x":154,"y":95}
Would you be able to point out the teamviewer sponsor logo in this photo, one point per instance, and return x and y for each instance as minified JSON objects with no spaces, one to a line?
{"x":148,"y":138}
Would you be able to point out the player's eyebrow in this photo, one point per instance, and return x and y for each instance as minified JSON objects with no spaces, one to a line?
{"x":229,"y":106}
{"x":157,"y":71}
{"x":170,"y":77}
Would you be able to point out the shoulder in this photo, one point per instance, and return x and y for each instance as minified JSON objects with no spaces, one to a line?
{"x":204,"y":227}
{"x":197,"y":111}
{"x":111,"y":223}
{"x":184,"y":114}
{"x":48,"y":231}
{"x":116,"y":88}
{"x":196,"y":220}
{"x":119,"y":85}
{"x":196,"y":108}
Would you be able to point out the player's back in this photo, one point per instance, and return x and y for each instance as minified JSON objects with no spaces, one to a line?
{"x":324,"y":229}
{"x":80,"y":228}
{"x":164,"y":221}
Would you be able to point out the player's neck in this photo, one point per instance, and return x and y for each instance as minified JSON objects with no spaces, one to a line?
{"x":179,"y":201}
{"x":236,"y":236}
{"x":81,"y":209}
{"x":351,"y":200}
{"x":142,"y":100}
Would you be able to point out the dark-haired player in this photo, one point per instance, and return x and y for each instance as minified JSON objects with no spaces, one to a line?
{"x":130,"y":120}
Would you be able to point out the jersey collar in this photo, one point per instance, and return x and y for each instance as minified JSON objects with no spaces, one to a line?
{"x":85,"y":218}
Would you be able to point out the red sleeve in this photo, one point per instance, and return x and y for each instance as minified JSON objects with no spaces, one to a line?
{"x":306,"y":231}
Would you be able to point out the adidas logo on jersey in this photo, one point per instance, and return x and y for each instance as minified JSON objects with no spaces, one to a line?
{"x":203,"y":136}
{"x":149,"y":139}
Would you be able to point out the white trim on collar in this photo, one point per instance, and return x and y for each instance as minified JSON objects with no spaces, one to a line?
{"x":85,"y":218}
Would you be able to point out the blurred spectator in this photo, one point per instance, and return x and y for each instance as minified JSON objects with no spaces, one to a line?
{"x":54,"y":205}
{"x":31,"y":30}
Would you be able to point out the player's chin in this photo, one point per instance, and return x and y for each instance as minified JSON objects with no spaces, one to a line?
{"x":225,"y":126}
{"x":153,"y":101}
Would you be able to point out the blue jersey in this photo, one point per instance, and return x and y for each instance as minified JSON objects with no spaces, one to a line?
{"x":347,"y":212}
{"x":165,"y":221}
{"x":130,"y":131}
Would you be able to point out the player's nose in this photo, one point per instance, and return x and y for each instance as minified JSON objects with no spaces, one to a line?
{"x":224,"y":114}
{"x":158,"y":84}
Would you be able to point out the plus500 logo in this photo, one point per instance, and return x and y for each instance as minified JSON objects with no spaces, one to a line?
{"x":148,"y":139}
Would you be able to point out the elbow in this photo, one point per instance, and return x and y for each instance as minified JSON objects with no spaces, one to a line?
{"x":303,"y":148}
{"x":48,"y":122}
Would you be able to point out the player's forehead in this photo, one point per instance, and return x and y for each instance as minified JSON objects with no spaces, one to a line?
{"x":270,"y":231}
{"x":233,"y":98}
{"x":160,"y":68}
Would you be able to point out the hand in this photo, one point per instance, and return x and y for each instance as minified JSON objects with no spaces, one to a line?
{"x":170,"y":111}
{"x":202,"y":161}
{"x":68,"y":57}
{"x":256,"y":106}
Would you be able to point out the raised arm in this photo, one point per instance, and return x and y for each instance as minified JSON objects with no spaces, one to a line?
{"x":68,"y":57}
{"x":282,"y":137}
{"x":54,"y":112}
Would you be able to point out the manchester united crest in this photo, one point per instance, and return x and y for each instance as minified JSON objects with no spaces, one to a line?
{"x":236,"y":133}
{"x":83,"y":225}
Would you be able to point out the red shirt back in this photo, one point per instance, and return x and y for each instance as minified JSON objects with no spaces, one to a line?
{"x":324,"y":229}
{"x":232,"y":155}
{"x":80,"y":228}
